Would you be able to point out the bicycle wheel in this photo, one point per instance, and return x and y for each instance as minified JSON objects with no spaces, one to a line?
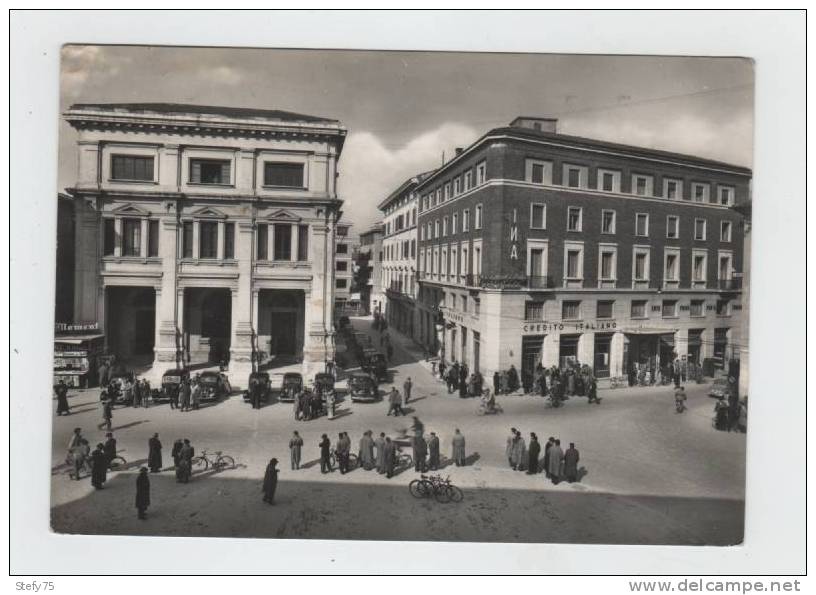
{"x":117,"y":463}
{"x":455,"y":494}
{"x":406,"y":461}
{"x":419,"y":488}
{"x":353,"y":462}
{"x":332,"y":460}
{"x":442,"y":494}
{"x":225,"y":461}
{"x":199,"y":464}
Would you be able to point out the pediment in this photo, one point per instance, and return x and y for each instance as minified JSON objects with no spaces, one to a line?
{"x":209,"y":213}
{"x":132,"y":210}
{"x":284,"y":215}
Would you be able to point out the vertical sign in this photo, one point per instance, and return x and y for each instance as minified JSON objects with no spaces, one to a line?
{"x":514,"y":237}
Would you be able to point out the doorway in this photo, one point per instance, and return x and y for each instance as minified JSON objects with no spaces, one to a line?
{"x":531,"y":350}
{"x":131,"y":323}
{"x":207,"y":325}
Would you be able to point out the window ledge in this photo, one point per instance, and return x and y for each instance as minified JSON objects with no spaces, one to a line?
{"x":210,"y":184}
{"x":133,"y":259}
{"x":268,"y":187}
{"x":118,"y":181}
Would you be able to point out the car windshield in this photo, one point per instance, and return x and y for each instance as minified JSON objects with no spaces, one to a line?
{"x":360,"y":381}
{"x":209,"y":379}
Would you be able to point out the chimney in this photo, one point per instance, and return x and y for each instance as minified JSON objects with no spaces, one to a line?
{"x":458,"y":151}
{"x":536,"y":123}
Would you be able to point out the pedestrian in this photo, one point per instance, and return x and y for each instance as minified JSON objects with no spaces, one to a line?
{"x":518,"y":451}
{"x":389,"y":349}
{"x":61,"y":391}
{"x":154,"y":456}
{"x":496,"y":383}
{"x":680,"y":399}
{"x":556,"y":456}
{"x":109,"y":447}
{"x":325,"y":451}
{"x":315,"y":405}
{"x":390,"y":457}
{"x":196,"y":395}
{"x":146,"y":392}
{"x":420,"y":452}
{"x":571,"y":459}
{"x":463,"y":384}
{"x":185,"y":395}
{"x":508,"y":449}
{"x":442,"y":370}
{"x":127,"y":392}
{"x":532,"y":454}
{"x":297,"y":403}
{"x":255,"y":391}
{"x":270,"y":482}
{"x":379,"y":444}
{"x":185,"y":464}
{"x":433,"y":452}
{"x":592,"y":391}
{"x":295,"y":446}
{"x":406,"y":391}
{"x":102,"y":374}
{"x":458,"y":448}
{"x":366,"y":454}
{"x":107,"y":414}
{"x":173,"y":396}
{"x":394,"y":402}
{"x":142,"y":494}
{"x":512,"y":378}
{"x":136,"y":392}
{"x":331,"y":403}
{"x":342,"y":452}
{"x":99,"y":467}
{"x":176,"y":452}
{"x":547,"y":447}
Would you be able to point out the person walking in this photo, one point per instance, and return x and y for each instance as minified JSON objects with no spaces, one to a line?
{"x":109,"y":447}
{"x":146,"y":391}
{"x":61,"y":390}
{"x":547,"y":447}
{"x":331,"y":403}
{"x":496,"y":383}
{"x":406,"y":391}
{"x":532,"y":454}
{"x":394,"y":402}
{"x":366,"y":454}
{"x":680,"y":399}
{"x":154,"y":455}
{"x":379,"y":444}
{"x":390,"y":457}
{"x":420,"y":452}
{"x":325,"y":451}
{"x":592,"y":391}
{"x":107,"y":414}
{"x":458,"y":443}
{"x":556,"y":457}
{"x":270,"y":482}
{"x":297,"y":404}
{"x":571,"y":458}
{"x":295,"y":446}
{"x":99,"y":470}
{"x":433,"y":452}
{"x":102,"y":374}
{"x":185,"y":395}
{"x":173,"y":396}
{"x":142,"y":494}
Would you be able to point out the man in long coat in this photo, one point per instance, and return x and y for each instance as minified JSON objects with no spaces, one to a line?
{"x":508,"y":449}
{"x":62,"y":398}
{"x":379,"y":444}
{"x":136,"y":391}
{"x":325,"y":451}
{"x":295,"y":446}
{"x":420,"y":452}
{"x":519,"y":449}
{"x":185,"y":464}
{"x":99,"y":475}
{"x":102,"y":375}
{"x":532,"y":454}
{"x":270,"y":482}
{"x":109,"y":447}
{"x":176,"y":452}
{"x":556,"y":456}
{"x":142,"y":494}
{"x":342,"y":449}
{"x":367,"y":451}
{"x":185,"y":395}
{"x":390,"y":457}
{"x":571,"y":458}
{"x":406,"y":391}
{"x":547,"y":447}
{"x":433,"y":452}
{"x":394,"y":402}
{"x":458,"y":443}
{"x":154,"y":456}
{"x":107,"y":414}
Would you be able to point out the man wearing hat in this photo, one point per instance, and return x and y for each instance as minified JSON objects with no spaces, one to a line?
{"x":270,"y":482}
{"x":142,"y":493}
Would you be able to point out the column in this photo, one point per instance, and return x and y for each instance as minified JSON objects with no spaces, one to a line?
{"x":143,"y":239}
{"x":240,"y":365}
{"x":294,"y":243}
{"x":88,"y":174}
{"x":270,"y":241}
{"x":169,"y":304}
{"x":616,"y":355}
{"x":256,"y":321}
{"x":220,"y":248}
{"x":319,"y":341}
{"x":102,"y":311}
{"x":87,"y":284}
{"x":117,"y":242}
{"x":196,"y":239}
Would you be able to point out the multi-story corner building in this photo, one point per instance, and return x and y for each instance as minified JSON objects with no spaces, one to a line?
{"x":345,"y":244}
{"x":399,"y":279}
{"x":540,"y":247}
{"x":205,"y":234}
{"x":369,"y":257}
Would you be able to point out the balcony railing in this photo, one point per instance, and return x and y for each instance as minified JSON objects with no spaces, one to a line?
{"x":730,"y":284}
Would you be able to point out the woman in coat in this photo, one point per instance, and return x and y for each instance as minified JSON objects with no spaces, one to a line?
{"x":458,"y":448}
{"x":379,"y":444}
{"x":367,"y":451}
{"x":270,"y":482}
{"x":295,"y":446}
{"x":142,"y":493}
{"x":518,"y":451}
{"x":571,"y":463}
{"x":554,"y":463}
{"x":154,"y":456}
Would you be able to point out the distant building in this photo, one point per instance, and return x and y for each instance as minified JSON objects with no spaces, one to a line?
{"x":205,"y":234}
{"x":542,"y":248}
{"x":369,"y":262}
{"x":344,"y":248}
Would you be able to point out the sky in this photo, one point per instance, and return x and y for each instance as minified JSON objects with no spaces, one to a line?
{"x":403,"y":110}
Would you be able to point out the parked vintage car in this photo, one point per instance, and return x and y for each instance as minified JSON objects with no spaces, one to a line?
{"x":262,"y":378}
{"x":323,"y":382}
{"x":171,"y":382}
{"x":362,"y":388}
{"x":214,"y":385}
{"x":375,"y":363}
{"x":291,"y":384}
{"x":719,"y":389}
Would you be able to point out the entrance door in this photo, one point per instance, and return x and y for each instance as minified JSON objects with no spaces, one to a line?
{"x":453,"y":345}
{"x":695,"y":341}
{"x":531,"y":350}
{"x":568,"y":350}
{"x":464,"y":346}
{"x":477,"y":340}
{"x":603,"y":347}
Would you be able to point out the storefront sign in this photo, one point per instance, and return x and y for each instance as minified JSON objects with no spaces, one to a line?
{"x":64,"y":327}
{"x":550,"y":327}
{"x":514,"y":237}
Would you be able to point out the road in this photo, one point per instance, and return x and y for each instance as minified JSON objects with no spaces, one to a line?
{"x":652,"y":476}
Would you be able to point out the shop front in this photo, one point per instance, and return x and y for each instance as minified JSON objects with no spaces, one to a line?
{"x":76,"y":352}
{"x":648,"y":349}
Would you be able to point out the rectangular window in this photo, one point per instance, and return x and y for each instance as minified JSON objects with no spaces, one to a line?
{"x":342,"y":266}
{"x":574,"y":176}
{"x":608,"y":181}
{"x":699,"y":229}
{"x":464,"y":303}
{"x":454,"y":223}
{"x":699,"y":267}
{"x":570,"y":310}
{"x":262,"y":240}
{"x":641,"y":266}
{"x":477,"y":224}
{"x":605,"y":309}
{"x":341,"y":283}
{"x":447,"y":188}
{"x":466,"y":220}
{"x":699,"y":192}
{"x":672,"y":189}
{"x":210,"y":171}
{"x":607,"y":265}
{"x":642,"y":225}
{"x":722,"y":308}
{"x":573,"y":264}
{"x":444,"y":226}
{"x":110,"y":237}
{"x":439,"y":198}
{"x":468,"y":180}
{"x":436,"y":228}
{"x":208,"y":239}
{"x":413,"y":248}
{"x":132,"y":168}
{"x":131,"y":237}
{"x":672,"y":227}
{"x":725,"y":231}
{"x":638,"y":309}
{"x":724,"y":271}
{"x":574,"y":218}
{"x":726,"y":196}
{"x":697,"y":308}
{"x":477,"y":306}
{"x":341,"y":249}
{"x":533,"y":310}
{"x":538,"y":172}
{"x":152,"y":238}
{"x":187,"y":239}
{"x":607,"y":221}
{"x":229,"y":241}
{"x":457,"y":186}
{"x":642,"y":185}
{"x":671,"y":271}
{"x":481,"y":173}
{"x":285,"y":175}
{"x":538,"y":216}
{"x":669,"y":309}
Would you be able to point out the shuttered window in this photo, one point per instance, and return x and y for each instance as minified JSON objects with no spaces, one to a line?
{"x":288,"y":175}
{"x":130,"y":167}
{"x":209,"y":171}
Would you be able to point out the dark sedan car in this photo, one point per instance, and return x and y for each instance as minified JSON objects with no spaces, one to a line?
{"x":214,"y":385}
{"x":261,"y":379}
{"x":292,"y":385}
{"x":362,"y":388}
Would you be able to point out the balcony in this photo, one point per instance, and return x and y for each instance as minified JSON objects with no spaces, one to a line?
{"x":540,"y":282}
{"x":729,"y":284}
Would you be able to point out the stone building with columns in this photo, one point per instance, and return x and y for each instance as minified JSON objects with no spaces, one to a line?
{"x":538,"y":247}
{"x":205,"y":234}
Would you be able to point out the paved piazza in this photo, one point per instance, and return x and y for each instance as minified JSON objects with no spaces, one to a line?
{"x":652,"y":476}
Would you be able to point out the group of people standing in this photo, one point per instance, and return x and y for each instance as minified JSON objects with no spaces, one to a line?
{"x":557,"y":464}
{"x":457,"y":377}
{"x":186,"y":396}
{"x":506,"y":381}
{"x":575,"y":380}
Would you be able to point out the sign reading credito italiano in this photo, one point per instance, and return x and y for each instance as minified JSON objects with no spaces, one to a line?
{"x":577,"y":327}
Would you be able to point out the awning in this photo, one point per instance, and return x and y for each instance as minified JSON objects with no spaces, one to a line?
{"x":76,"y":339}
{"x":649,"y":331}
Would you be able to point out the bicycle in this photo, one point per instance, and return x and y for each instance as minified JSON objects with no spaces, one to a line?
{"x":403,"y":459}
{"x":433,"y":485}
{"x":218,"y":461}
{"x":353,"y":461}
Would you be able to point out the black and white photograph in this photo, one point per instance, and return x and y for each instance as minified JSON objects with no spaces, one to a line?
{"x":402,"y":295}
